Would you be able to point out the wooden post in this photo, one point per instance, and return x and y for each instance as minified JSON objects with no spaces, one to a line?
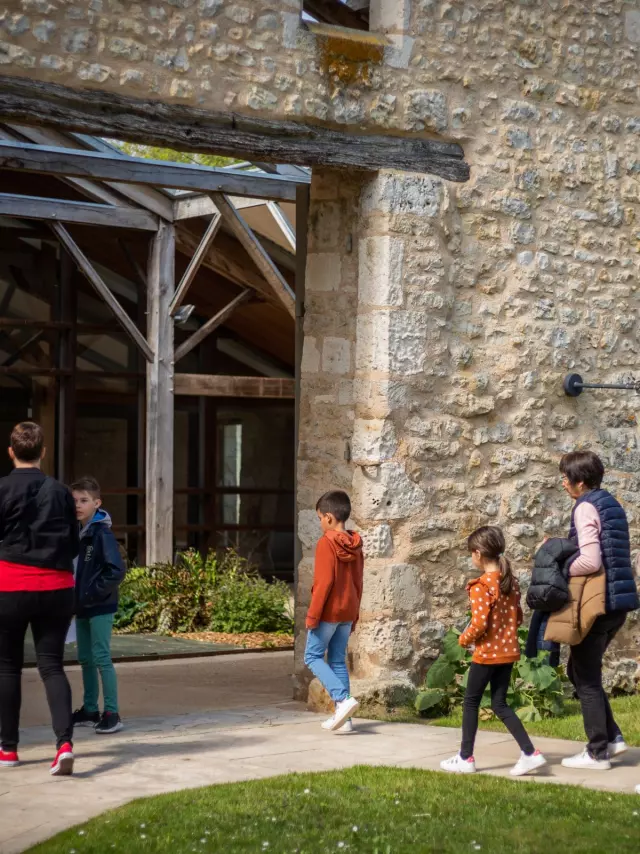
{"x":160,"y":404}
{"x":67,"y":384}
{"x":302,"y":217}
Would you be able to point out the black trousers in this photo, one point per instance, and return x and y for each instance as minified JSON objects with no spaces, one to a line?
{"x":49,"y":615}
{"x":498,"y":676}
{"x":585,"y":671}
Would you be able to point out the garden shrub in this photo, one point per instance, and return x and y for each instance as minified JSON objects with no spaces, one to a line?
{"x":537,"y":690}
{"x":219,"y":592}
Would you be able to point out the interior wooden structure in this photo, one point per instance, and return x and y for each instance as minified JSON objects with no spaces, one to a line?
{"x":148,"y":322}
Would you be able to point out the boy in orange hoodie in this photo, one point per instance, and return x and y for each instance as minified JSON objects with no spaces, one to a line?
{"x":335,"y":605}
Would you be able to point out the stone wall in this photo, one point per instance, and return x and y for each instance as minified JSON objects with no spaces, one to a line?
{"x":473,"y":303}
{"x":440,"y":319}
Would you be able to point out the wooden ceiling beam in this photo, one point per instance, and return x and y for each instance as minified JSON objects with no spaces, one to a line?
{"x":88,"y":270}
{"x":256,"y":252}
{"x":84,"y":213}
{"x":210,"y":385}
{"x":96,"y":165}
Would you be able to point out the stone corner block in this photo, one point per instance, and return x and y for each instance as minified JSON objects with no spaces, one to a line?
{"x":324,"y":271}
{"x":374,"y":441}
{"x":385,"y":492}
{"x":380,"y":271}
{"x":336,"y":356}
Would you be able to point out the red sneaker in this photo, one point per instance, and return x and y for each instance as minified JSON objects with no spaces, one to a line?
{"x":62,"y":765}
{"x":8,"y":758}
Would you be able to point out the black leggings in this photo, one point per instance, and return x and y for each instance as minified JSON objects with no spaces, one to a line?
{"x":498,"y":676}
{"x":49,"y":614}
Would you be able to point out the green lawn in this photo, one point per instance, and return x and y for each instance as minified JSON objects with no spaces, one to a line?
{"x":625,"y":709}
{"x":372,"y":810}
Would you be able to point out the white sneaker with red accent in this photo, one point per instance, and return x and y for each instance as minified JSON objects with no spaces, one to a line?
{"x":8,"y":759}
{"x":527,"y":764}
{"x":458,"y":765}
{"x":62,"y":765}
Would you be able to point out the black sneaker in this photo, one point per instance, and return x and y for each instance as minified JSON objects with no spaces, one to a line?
{"x":81,"y":717}
{"x":109,"y":722}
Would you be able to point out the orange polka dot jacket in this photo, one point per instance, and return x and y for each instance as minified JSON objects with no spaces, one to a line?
{"x":494,"y":621}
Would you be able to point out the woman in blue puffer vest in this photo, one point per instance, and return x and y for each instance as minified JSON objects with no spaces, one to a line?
{"x":600,"y":528}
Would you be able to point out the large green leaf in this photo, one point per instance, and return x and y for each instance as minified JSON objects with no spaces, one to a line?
{"x":441,"y":673}
{"x":543,"y":677}
{"x":452,"y":649}
{"x":428,"y":699}
{"x":528,"y":714}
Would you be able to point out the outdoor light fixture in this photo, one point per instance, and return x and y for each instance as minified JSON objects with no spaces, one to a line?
{"x":183,"y":314}
{"x":573,"y":385}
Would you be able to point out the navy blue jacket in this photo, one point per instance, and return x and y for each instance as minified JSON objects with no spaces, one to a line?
{"x":99,"y":570}
{"x":622,"y":593}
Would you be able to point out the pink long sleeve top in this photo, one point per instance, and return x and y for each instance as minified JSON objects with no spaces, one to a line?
{"x":588,"y":528}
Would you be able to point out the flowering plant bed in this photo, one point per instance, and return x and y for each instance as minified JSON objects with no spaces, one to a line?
{"x":250,"y":640}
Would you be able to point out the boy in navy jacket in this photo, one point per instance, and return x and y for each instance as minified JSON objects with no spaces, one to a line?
{"x":99,"y":572}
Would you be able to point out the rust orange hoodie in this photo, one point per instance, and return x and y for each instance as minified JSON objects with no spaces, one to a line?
{"x":337,"y":579}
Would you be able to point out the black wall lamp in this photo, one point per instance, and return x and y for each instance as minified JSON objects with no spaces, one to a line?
{"x":573,"y":385}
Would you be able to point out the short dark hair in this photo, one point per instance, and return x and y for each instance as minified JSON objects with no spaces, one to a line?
{"x":583,"y":467}
{"x":337,"y":503}
{"x":87,"y":484}
{"x":27,"y":442}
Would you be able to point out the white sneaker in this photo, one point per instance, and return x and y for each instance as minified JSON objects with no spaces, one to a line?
{"x":585,"y":762}
{"x":617,"y":748}
{"x":346,"y":728}
{"x":344,"y":710}
{"x":637,"y":790}
{"x":526,"y":764}
{"x":458,"y":765}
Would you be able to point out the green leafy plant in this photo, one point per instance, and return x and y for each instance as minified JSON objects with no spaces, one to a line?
{"x":537,"y":690}
{"x":219,"y":592}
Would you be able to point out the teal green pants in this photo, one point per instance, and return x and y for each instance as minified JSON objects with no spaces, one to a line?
{"x":94,"y":654}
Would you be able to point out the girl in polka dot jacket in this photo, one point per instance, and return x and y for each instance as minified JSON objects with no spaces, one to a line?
{"x":493,"y":630}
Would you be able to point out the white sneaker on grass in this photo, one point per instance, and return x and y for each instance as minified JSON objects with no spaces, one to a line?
{"x":344,"y":709}
{"x":527,"y":764}
{"x":458,"y":765}
{"x":585,"y":762}
{"x":637,"y":790}
{"x":617,"y":747}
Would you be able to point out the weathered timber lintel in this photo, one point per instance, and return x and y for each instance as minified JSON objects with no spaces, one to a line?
{"x":191,"y":129}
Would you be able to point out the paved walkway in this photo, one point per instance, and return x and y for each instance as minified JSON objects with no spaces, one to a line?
{"x":162,"y":754}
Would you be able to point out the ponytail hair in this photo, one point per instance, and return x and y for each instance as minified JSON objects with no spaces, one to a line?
{"x":489,"y":541}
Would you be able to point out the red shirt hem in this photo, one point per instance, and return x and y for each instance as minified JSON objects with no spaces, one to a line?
{"x":14,"y":578}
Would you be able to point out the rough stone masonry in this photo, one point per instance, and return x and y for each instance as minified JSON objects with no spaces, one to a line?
{"x":440,"y":319}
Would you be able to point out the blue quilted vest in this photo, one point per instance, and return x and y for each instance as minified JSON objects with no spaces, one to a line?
{"x":622,"y":594}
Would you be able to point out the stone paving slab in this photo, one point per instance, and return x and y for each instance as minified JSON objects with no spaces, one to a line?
{"x":156,"y":755}
{"x":142,"y":648}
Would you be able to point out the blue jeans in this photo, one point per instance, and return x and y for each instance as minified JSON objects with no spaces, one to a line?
{"x":330,"y":638}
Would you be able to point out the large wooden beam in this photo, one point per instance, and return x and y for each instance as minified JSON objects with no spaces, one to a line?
{"x":196,"y":261}
{"x":99,"y":166}
{"x":211,"y":324}
{"x":102,"y":288}
{"x":211,"y":385}
{"x":256,"y":251}
{"x":160,"y":408}
{"x":335,"y":12}
{"x":85,"y":213}
{"x":192,"y":129}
